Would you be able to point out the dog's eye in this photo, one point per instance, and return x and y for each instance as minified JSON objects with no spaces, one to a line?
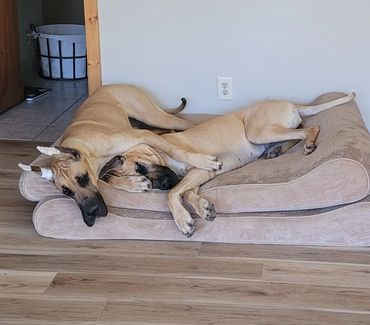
{"x":141,"y":169}
{"x":83,"y":180}
{"x":67,"y":191}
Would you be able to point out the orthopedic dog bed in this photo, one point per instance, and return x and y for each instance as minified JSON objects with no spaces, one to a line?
{"x":320,"y":199}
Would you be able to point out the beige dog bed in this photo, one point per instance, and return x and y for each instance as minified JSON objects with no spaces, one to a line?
{"x":324,"y":196}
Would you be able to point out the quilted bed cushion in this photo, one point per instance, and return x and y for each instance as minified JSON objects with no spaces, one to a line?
{"x":336,"y":173}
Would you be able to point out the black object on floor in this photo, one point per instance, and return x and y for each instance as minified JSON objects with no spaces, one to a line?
{"x":32,"y":93}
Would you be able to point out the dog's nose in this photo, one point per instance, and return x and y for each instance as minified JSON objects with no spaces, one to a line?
{"x":92,"y":207}
{"x":93,"y":210}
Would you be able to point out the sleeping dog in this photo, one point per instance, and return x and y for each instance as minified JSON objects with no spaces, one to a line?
{"x":236,"y":139}
{"x":101,"y":129}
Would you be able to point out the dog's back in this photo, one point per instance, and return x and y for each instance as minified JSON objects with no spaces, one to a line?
{"x":106,"y":113}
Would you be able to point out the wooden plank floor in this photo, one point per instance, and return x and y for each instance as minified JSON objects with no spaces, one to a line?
{"x":46,"y":281}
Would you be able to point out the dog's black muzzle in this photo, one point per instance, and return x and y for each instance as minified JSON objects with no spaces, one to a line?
{"x":93,"y":207}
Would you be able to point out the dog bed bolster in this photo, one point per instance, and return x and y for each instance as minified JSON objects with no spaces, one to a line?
{"x":348,"y":225}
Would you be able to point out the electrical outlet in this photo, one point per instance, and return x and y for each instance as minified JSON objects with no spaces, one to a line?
{"x":224,"y":88}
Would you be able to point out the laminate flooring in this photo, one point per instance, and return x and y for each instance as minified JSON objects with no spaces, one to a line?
{"x":45,"y":281}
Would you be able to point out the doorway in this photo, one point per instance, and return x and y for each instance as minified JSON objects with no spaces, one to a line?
{"x":44,"y":118}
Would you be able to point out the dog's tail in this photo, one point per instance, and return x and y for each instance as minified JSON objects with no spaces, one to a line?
{"x":308,"y":110}
{"x":177,"y":110}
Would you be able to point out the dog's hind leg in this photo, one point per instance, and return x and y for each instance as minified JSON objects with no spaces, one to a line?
{"x":162,"y":119}
{"x":194,"y":178}
{"x":138,"y":105}
{"x":275,"y":133}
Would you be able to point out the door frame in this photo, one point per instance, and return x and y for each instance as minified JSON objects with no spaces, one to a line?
{"x":92,"y":44}
{"x":11,"y":87}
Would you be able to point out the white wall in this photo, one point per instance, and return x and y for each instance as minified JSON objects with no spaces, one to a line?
{"x":285,"y":49}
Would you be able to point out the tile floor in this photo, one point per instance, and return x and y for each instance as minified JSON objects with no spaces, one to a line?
{"x":45,"y":118}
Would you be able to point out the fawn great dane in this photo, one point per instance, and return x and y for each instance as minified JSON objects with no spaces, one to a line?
{"x":236,"y":139}
{"x":100,"y":130}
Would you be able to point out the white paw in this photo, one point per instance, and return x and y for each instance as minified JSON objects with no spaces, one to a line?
{"x":205,"y":209}
{"x":139,"y":184}
{"x":185,"y":223}
{"x":206,"y":162}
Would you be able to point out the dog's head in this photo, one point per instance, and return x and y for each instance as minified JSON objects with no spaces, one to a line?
{"x":141,"y":160}
{"x":74,"y":176}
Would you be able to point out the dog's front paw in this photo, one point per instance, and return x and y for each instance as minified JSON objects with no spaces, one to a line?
{"x":205,"y":209}
{"x":130,"y":183}
{"x":185,"y":223}
{"x":138,"y":184}
{"x":206,"y":162}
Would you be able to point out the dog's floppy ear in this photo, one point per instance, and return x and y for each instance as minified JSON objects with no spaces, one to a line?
{"x":50,"y":151}
{"x":74,"y":152}
{"x":44,"y":172}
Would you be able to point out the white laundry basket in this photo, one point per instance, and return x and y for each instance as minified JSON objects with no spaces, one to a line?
{"x":62,"y":51}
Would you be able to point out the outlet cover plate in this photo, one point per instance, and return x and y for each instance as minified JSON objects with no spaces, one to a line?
{"x":224,"y":88}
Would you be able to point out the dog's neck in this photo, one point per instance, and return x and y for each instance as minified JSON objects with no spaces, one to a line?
{"x":86,"y":149}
